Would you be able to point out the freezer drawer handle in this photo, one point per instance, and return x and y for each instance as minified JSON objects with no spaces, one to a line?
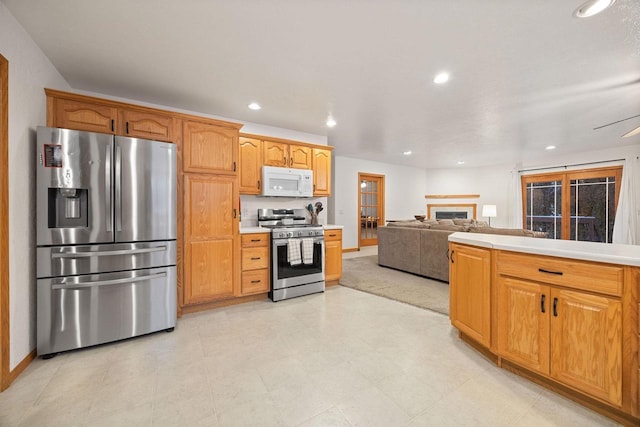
{"x":108,"y":282}
{"x":106,"y":253}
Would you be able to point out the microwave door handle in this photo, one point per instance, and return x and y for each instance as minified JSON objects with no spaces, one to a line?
{"x":107,"y":188}
{"x":107,"y":282}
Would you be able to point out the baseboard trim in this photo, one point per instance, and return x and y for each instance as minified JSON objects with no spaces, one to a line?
{"x":22,"y":366}
{"x":224,"y":303}
{"x":350,"y":250}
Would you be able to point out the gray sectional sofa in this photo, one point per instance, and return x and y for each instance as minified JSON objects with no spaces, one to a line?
{"x":421,"y":247}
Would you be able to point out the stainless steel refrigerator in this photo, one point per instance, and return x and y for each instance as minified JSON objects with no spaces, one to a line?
{"x":106,"y":230}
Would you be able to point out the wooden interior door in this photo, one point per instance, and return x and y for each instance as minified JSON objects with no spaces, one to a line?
{"x":370,"y":207}
{"x":4,"y":223}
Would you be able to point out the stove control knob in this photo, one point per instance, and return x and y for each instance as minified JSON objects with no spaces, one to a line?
{"x":300,"y":233}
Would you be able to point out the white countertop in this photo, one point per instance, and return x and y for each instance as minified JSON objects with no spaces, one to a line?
{"x":333,"y":227}
{"x":248,"y":230}
{"x":586,"y":251}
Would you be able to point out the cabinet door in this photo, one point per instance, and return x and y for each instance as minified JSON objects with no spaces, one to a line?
{"x":250,"y":165}
{"x":333,"y":255}
{"x":85,"y":116}
{"x":586,"y":343}
{"x":210,"y":148}
{"x":275,"y":153}
{"x":140,"y":124}
{"x":321,"y":172}
{"x":523,"y":323}
{"x":300,"y":157}
{"x":210,"y":233}
{"x":469,"y":287}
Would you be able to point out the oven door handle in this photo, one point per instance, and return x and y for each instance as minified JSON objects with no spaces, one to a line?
{"x":286,"y":241}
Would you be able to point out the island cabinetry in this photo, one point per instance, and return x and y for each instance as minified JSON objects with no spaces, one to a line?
{"x":211,"y":245}
{"x":470,"y":300}
{"x":321,"y":172}
{"x":79,"y":112}
{"x":250,"y":177}
{"x":255,"y":263}
{"x":563,"y":319}
{"x":333,"y":256}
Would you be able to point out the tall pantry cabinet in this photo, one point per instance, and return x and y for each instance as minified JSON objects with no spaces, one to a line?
{"x":211,"y":208}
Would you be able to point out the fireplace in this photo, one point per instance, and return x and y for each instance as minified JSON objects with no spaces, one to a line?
{"x":455,"y":211}
{"x":451,"y":215}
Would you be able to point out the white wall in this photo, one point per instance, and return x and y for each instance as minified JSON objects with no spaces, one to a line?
{"x":29,"y":73}
{"x":404,"y":193}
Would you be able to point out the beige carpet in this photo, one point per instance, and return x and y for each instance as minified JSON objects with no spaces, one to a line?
{"x":366,"y":275}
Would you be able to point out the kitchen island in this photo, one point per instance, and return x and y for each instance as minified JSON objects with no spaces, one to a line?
{"x":561,"y":313}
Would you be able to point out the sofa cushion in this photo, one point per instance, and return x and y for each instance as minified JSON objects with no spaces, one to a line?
{"x":409,"y":224}
{"x":465,"y":221}
{"x":449,"y":227}
{"x":503,"y":231}
{"x":446,"y":222}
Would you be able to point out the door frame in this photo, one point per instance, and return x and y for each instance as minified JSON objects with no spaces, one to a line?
{"x":5,"y":377}
{"x":381,"y":191}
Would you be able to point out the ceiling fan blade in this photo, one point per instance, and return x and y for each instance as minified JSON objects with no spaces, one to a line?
{"x":619,"y":121}
{"x":632,"y":132}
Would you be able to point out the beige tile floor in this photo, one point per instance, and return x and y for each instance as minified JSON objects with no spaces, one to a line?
{"x":341,"y":358}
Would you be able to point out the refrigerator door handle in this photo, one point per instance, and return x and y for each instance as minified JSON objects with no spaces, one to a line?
{"x":107,"y":253}
{"x":118,"y":192}
{"x":107,"y":282}
{"x":107,"y":188}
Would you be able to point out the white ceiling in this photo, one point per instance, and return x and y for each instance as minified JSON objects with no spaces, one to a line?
{"x":524,"y":74}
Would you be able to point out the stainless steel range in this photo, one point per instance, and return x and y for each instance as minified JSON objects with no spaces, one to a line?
{"x":297,"y":253}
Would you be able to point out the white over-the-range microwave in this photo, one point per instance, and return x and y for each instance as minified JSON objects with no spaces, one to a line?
{"x":286,"y":182}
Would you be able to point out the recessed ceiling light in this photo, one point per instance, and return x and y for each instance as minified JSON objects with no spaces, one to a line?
{"x":460,"y":162}
{"x":407,"y":153}
{"x":550,"y":147}
{"x":441,"y":78}
{"x":592,"y":7}
{"x":330,"y":122}
{"x":254,"y":106}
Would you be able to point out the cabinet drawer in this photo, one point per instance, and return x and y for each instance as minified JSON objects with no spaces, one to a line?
{"x":588,"y":276}
{"x":255,"y":281}
{"x":331,"y":235}
{"x":257,"y":239}
{"x":255,"y":258}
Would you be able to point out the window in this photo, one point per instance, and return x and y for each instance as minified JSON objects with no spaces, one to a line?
{"x":575,"y":205}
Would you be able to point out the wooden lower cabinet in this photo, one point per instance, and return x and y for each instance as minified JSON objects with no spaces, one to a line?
{"x":571,"y":336}
{"x":333,"y":256}
{"x":586,"y":343}
{"x":523,"y":329}
{"x":256,"y":276}
{"x":211,"y":239}
{"x":470,"y":301}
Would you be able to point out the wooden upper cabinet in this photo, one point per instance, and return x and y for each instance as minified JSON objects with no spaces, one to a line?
{"x":86,"y":116}
{"x":140,"y":124}
{"x":209,"y":148}
{"x":250,"y":165}
{"x":275,"y":153}
{"x":321,"y":172}
{"x":300,"y":157}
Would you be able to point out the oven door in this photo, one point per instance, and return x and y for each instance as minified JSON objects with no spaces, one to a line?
{"x":286,"y":275}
